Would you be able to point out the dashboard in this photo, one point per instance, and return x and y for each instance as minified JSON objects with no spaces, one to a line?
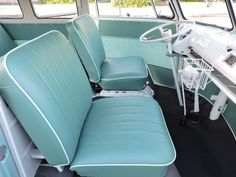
{"x":216,"y":47}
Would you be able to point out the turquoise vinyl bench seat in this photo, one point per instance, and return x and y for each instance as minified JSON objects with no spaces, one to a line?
{"x":46,"y":87}
{"x":107,"y":72}
{"x":124,"y":136}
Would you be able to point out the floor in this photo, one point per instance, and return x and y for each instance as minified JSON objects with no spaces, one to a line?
{"x":204,"y":150}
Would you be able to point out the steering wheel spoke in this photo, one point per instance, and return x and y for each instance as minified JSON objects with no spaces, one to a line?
{"x":149,"y":38}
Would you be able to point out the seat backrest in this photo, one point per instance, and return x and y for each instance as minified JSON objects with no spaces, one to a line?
{"x":86,"y":38}
{"x":46,"y":87}
{"x":6,"y":43}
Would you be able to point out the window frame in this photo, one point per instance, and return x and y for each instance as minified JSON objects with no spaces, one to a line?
{"x":145,"y":18}
{"x":53,"y":17}
{"x":15,"y":18}
{"x":208,"y":24}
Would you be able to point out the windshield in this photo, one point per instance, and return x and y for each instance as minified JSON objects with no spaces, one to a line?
{"x":213,"y":12}
{"x":131,"y":8}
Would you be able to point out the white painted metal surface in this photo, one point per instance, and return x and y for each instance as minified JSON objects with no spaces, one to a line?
{"x":147,"y":91}
{"x":218,"y":106}
{"x":19,"y":143}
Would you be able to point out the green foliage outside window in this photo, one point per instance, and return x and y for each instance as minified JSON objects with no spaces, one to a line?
{"x":131,"y":3}
{"x":125,"y":3}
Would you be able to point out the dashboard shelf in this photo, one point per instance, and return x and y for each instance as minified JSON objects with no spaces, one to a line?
{"x":224,"y":84}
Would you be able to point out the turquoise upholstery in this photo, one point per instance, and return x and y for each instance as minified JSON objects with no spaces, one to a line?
{"x":88,"y":43}
{"x":126,"y":134}
{"x":85,"y":37}
{"x":124,"y":73}
{"x":6,"y":43}
{"x":45,"y":85}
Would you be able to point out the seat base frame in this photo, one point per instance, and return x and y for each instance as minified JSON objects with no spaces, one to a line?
{"x":147,"y":91}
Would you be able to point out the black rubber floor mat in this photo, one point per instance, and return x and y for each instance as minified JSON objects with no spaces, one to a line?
{"x":204,"y":150}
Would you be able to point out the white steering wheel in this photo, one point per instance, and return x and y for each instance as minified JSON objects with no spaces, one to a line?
{"x":166,"y":34}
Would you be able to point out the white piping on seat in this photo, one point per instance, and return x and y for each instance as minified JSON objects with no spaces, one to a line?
{"x":140,"y":77}
{"x":73,"y":25}
{"x":136,"y":165}
{"x":31,"y":100}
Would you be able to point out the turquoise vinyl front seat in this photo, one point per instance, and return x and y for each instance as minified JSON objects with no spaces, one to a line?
{"x":127,"y":73}
{"x":46,"y":87}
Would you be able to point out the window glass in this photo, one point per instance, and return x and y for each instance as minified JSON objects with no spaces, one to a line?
{"x":234,"y":6}
{"x":10,"y":9}
{"x":163,"y":8}
{"x":130,"y":8}
{"x":213,"y":12}
{"x":54,"y":8}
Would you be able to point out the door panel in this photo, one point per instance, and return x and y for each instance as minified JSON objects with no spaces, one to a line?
{"x":124,"y":27}
{"x":121,"y":38}
{"x":154,"y":54}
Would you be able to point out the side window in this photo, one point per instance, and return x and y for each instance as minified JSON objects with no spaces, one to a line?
{"x":131,"y":8}
{"x":54,"y":8}
{"x":10,"y":9}
{"x":212,"y":12}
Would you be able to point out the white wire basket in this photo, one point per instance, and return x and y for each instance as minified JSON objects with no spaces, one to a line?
{"x":195,"y":73}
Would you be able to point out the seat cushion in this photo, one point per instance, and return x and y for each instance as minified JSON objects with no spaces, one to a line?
{"x":124,"y":136}
{"x":127,"y":73}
